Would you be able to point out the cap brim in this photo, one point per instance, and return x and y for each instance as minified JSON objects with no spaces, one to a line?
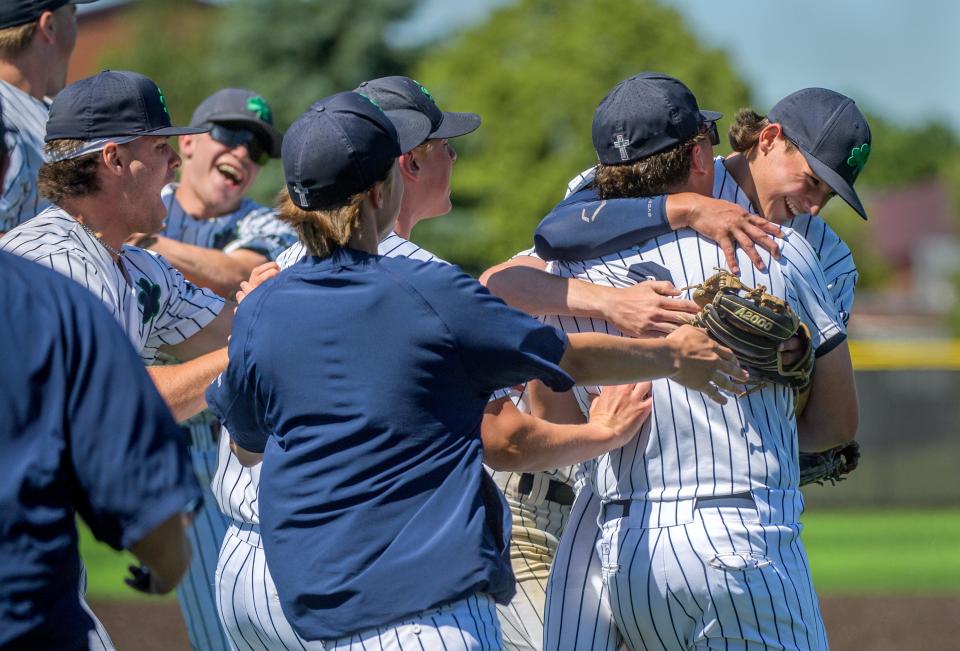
{"x":173,"y":131}
{"x":710,"y":116}
{"x":413,"y":127}
{"x":843,"y":189}
{"x":456,"y":124}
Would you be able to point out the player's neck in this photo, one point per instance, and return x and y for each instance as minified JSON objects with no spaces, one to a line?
{"x":739,"y":167}
{"x":24,"y":73}
{"x":104,"y":224}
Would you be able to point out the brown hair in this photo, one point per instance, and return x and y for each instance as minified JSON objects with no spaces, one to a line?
{"x":323,"y":231}
{"x":64,"y":179}
{"x":651,"y":176}
{"x":14,"y":40}
{"x":745,"y":131}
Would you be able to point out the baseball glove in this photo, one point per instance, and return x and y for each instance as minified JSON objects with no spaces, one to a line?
{"x":831,"y":465}
{"x":753,"y":324}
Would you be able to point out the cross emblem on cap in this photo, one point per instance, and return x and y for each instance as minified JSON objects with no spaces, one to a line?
{"x":621,"y":143}
{"x":302,"y":194}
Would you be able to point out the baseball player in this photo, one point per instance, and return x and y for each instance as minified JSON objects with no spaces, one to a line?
{"x":380,"y":464}
{"x":104,"y":179}
{"x":67,"y":370}
{"x":806,"y":120}
{"x":36,"y":40}
{"x":215,"y":237}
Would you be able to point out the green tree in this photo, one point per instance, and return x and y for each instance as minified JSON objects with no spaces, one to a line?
{"x":294,"y":52}
{"x":535,"y":72}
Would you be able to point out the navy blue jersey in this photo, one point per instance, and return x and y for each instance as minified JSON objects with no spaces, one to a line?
{"x":82,"y":430}
{"x":363,"y":379}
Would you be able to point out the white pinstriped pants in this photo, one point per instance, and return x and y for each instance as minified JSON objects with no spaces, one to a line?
{"x":577,"y":615}
{"x":719,"y":579}
{"x":250,"y":612}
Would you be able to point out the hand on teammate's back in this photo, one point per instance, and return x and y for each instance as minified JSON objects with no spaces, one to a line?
{"x":624,"y":408}
{"x":259,"y":275}
{"x":729,"y":225}
{"x":704,"y":365}
{"x":649,"y":309}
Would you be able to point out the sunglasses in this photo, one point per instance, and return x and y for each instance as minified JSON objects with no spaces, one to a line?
{"x":237,"y":136}
{"x":712,"y":134}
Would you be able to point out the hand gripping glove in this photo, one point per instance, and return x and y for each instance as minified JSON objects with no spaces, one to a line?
{"x":753,"y":324}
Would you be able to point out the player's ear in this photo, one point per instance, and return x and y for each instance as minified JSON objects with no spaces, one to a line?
{"x":185,"y":145}
{"x":375,"y":195}
{"x":409,"y":165}
{"x":46,"y":27}
{"x":768,"y":137}
{"x":112,"y":159}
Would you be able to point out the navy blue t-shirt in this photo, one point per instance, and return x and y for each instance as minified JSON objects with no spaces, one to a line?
{"x":82,"y":429}
{"x":582,"y":227}
{"x":363,"y":379}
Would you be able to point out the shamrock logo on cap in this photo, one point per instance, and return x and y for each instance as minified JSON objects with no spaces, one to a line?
{"x":163,"y":101}
{"x":149,"y":299}
{"x":858,"y":157}
{"x":258,"y":105}
{"x":425,"y":91}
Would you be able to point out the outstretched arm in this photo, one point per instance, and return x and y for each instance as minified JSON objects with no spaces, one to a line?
{"x":646,"y":309}
{"x":221,"y":272}
{"x":521,"y":442}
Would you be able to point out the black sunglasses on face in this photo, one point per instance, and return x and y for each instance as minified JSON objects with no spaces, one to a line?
{"x":236,"y":136}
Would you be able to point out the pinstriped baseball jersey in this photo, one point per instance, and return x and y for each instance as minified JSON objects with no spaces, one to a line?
{"x":749,"y":443}
{"x":25,"y":118}
{"x":250,"y":226}
{"x":154,"y":304}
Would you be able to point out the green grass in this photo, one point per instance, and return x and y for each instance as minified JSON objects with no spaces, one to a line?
{"x":884,"y":551}
{"x":851,"y":552}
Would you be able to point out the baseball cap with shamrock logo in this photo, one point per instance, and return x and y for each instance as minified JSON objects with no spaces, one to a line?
{"x":414,"y":112}
{"x":238,"y":107}
{"x":831,"y":133}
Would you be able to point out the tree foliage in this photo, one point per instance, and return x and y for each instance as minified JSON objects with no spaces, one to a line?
{"x":535,"y":72}
{"x":295,"y":52}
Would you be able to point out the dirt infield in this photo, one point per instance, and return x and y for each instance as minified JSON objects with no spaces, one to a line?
{"x":853,"y":623}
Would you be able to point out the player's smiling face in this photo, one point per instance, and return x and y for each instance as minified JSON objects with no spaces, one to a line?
{"x":151,"y":164}
{"x":786,"y":186}
{"x":217,"y":174}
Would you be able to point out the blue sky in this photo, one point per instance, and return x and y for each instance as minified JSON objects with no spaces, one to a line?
{"x":897,"y":58}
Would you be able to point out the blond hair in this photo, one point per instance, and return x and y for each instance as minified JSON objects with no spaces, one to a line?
{"x":14,"y":40}
{"x":322,"y":231}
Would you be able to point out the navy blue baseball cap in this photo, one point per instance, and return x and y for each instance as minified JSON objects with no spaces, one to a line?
{"x":21,"y":12}
{"x":644,"y":115}
{"x":243,"y":108}
{"x":342,"y":145}
{"x":112,"y":104}
{"x":414,"y":112}
{"x":831,"y":133}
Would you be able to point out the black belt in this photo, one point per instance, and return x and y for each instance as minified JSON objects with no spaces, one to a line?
{"x":621,"y":508}
{"x":557,"y":491}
